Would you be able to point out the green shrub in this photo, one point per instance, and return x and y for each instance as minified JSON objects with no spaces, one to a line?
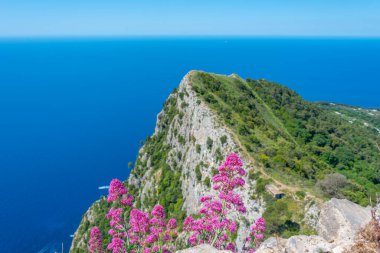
{"x":198,"y":148}
{"x":301,"y":194}
{"x":207,"y":182}
{"x":209,"y":143}
{"x":223,"y":139}
{"x":198,"y":172}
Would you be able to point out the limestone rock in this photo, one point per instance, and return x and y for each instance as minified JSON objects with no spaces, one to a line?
{"x":295,"y":244}
{"x":338,"y":224}
{"x":341,"y":219}
{"x":204,"y":248}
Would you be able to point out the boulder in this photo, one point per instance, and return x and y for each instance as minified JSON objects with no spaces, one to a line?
{"x":338,"y":224}
{"x":340,"y":220}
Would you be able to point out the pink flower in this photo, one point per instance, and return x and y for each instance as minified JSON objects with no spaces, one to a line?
{"x":158,"y":211}
{"x":139,"y":221}
{"x":214,"y":227}
{"x":95,"y":244}
{"x":230,"y":246}
{"x":116,"y":245}
{"x":172,"y":224}
{"x":152,"y":238}
{"x":127,"y":200}
{"x":193,"y":240}
{"x":232,"y":227}
{"x":187,"y":223}
{"x":146,"y":250}
{"x":256,"y":235}
{"x":206,"y":198}
{"x":116,"y":190}
{"x":114,"y":215}
{"x":260,"y":224}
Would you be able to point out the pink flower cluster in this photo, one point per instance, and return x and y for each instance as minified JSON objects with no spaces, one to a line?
{"x":151,"y":232}
{"x":256,"y":235}
{"x":228,"y":179}
{"x":214,"y":227}
{"x":143,"y":232}
{"x":118,"y":192}
{"x":95,"y":244}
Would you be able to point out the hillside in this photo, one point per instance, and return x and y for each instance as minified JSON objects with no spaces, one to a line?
{"x":283,"y":140}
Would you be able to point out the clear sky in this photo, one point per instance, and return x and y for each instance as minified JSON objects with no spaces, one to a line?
{"x":28,"y":18}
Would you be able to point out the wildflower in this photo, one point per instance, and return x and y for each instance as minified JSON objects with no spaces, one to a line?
{"x":214,"y":226}
{"x":230,"y":246}
{"x":127,"y":200}
{"x":158,"y":211}
{"x":146,"y":250}
{"x":116,"y":245}
{"x":256,"y":235}
{"x":114,"y":215}
{"x":139,"y":221}
{"x":116,"y":190}
{"x":172,"y":224}
{"x":95,"y":244}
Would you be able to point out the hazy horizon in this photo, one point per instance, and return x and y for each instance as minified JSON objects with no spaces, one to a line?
{"x":43,"y":18}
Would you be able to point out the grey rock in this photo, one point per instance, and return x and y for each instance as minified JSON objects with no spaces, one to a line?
{"x":204,"y":248}
{"x":340,"y":220}
{"x":338,"y":223}
{"x":295,"y":244}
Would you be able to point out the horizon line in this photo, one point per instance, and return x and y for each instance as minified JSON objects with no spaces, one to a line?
{"x":179,"y":36}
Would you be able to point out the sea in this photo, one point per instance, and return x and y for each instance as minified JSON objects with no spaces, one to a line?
{"x":75,"y":111}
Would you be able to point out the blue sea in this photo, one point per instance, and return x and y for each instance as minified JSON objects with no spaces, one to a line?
{"x":73,"y":112}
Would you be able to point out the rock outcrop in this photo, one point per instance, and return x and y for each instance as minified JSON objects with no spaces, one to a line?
{"x":338,"y":223}
{"x":340,"y":220}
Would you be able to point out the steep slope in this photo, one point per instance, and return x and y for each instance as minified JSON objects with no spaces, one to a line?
{"x":282,"y":139}
{"x":295,"y":139}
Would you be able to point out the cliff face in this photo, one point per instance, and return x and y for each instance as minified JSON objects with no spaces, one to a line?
{"x":198,"y":143}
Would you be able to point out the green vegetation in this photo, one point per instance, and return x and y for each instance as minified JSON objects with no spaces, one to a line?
{"x":298,"y":142}
{"x":223,"y":139}
{"x":284,"y":217}
{"x":209,"y":143}
{"x":198,"y":172}
{"x":207,"y":182}
{"x":170,"y":194}
{"x":198,"y":148}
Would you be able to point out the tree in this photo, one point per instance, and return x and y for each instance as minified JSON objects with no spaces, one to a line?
{"x":332,"y":184}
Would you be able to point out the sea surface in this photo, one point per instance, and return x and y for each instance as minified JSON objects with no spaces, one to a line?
{"x":73,"y":112}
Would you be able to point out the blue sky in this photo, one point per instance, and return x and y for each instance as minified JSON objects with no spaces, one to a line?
{"x":29,"y":18}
